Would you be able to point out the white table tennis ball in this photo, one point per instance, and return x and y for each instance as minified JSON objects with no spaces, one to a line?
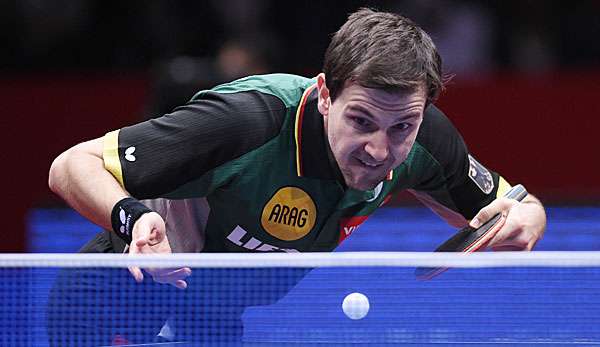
{"x":355,"y":306}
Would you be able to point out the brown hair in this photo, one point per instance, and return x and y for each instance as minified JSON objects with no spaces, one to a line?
{"x":382,"y":50}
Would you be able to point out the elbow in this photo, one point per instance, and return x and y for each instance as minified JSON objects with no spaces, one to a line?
{"x":71,"y":167}
{"x":62,"y":168}
{"x":58,"y":173}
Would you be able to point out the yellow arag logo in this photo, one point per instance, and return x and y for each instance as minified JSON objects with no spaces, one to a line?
{"x":290,"y":214}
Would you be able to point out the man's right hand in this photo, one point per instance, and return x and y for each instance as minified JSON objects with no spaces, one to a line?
{"x":149,"y":236}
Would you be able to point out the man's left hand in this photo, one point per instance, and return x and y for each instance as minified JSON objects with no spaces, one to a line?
{"x":149,"y":236}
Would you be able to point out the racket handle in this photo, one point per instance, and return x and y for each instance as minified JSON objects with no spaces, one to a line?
{"x":517,"y":192}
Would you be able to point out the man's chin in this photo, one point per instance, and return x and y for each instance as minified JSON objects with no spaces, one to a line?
{"x":364,"y":184}
{"x":362,"y":180}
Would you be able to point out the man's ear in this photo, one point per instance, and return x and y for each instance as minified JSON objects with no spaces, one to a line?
{"x":324,"y":102}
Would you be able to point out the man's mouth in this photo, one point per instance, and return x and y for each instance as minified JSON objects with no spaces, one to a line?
{"x":370,"y":164}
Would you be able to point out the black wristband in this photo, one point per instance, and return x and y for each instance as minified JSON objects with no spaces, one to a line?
{"x":124,"y":215}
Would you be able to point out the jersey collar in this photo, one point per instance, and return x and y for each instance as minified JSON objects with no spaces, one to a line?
{"x":314,"y":158}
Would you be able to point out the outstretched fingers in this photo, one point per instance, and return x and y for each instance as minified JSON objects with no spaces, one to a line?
{"x":173,"y":277}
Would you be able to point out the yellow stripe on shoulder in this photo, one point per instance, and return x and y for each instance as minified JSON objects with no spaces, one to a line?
{"x":110,"y":154}
{"x":503,"y":187}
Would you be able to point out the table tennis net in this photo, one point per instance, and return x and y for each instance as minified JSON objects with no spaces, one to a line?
{"x":296,"y":299}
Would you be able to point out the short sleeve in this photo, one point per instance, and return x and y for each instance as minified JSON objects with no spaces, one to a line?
{"x":155,"y":157}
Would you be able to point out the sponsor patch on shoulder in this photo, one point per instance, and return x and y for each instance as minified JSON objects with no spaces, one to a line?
{"x":480,"y":175}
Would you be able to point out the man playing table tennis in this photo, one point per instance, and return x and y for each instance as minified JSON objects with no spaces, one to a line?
{"x":286,"y":163}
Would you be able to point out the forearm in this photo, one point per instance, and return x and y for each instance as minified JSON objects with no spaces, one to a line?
{"x":79,"y":177}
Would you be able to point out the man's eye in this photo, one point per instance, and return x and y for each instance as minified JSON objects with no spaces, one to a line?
{"x":362,"y":122}
{"x":401,"y":126}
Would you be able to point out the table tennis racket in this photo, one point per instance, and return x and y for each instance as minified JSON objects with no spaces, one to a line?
{"x":469,"y":239}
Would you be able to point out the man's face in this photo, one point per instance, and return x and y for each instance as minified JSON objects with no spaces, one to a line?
{"x":371,"y":131}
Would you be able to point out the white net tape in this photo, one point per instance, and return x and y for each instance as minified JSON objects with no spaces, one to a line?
{"x":309,"y":260}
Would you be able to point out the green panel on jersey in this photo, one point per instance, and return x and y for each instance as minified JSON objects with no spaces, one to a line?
{"x":288,"y":88}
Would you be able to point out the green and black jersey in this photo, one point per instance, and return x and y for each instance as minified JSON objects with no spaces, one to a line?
{"x":254,"y":156}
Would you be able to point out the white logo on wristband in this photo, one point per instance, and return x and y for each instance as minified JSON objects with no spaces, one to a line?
{"x":123,"y":219}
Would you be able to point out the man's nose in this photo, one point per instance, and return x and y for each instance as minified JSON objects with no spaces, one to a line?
{"x":377,"y":146}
